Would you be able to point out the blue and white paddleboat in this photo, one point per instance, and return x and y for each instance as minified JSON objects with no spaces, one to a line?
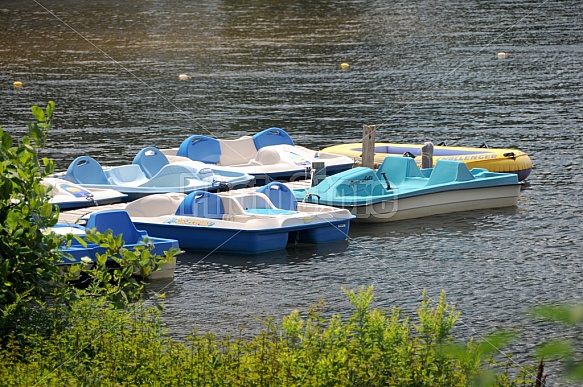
{"x":69,"y":196}
{"x":152,"y":173}
{"x":400,"y":190}
{"x":119,"y":222}
{"x":239,"y":222}
{"x":268,"y":155}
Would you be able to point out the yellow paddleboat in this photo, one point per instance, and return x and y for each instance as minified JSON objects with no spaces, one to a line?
{"x":492,"y":159}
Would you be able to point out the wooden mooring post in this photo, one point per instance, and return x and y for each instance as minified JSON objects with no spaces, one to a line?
{"x":368,"y":140}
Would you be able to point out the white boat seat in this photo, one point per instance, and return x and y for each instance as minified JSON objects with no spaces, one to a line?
{"x":237,"y":152}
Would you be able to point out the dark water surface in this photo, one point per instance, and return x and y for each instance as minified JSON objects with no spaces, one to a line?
{"x":420,"y":70}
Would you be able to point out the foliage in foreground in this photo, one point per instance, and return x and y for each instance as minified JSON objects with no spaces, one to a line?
{"x":34,"y":291}
{"x":111,"y":347}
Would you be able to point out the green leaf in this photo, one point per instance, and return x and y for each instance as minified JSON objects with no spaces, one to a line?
{"x":50,"y":108}
{"x":12,"y":219}
{"x":566,"y":314}
{"x":38,"y":113}
{"x":556,"y":349}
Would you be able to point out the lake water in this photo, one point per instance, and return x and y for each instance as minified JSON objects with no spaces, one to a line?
{"x":421,"y":71}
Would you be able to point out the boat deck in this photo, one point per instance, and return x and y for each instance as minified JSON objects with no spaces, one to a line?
{"x":73,"y":216}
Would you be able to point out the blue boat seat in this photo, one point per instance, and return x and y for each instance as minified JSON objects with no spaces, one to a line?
{"x":202,"y":204}
{"x":271,"y":136}
{"x":85,"y":170}
{"x":124,"y":175}
{"x":280,"y":195}
{"x":200,"y":148}
{"x":449,"y":171}
{"x":119,"y":222}
{"x":151,"y":161}
{"x":398,"y":169}
{"x":172,"y":175}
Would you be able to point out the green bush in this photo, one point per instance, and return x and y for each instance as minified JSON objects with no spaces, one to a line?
{"x":28,"y":274}
{"x":105,"y":346}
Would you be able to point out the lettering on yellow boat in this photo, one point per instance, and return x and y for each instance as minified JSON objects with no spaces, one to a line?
{"x":191,"y":222}
{"x":486,"y":156}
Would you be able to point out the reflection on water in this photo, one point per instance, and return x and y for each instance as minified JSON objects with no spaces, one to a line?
{"x":419,"y":70}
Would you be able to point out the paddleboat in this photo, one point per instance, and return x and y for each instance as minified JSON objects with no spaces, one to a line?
{"x":119,"y":222}
{"x":68,"y":196}
{"x":239,"y":222}
{"x":151,"y":173}
{"x":492,"y":159}
{"x":398,"y":190}
{"x":268,"y":155}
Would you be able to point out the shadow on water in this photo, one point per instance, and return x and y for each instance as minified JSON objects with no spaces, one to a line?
{"x":458,"y":223}
{"x":294,"y":254}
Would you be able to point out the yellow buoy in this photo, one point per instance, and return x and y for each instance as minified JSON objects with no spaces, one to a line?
{"x":344,"y":66}
{"x":184,"y":77}
{"x":17,"y":84}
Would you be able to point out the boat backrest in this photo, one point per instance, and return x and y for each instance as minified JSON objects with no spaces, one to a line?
{"x":238,"y":151}
{"x":280,"y":195}
{"x":154,"y":205}
{"x":272,"y":136}
{"x":202,"y":204}
{"x":130,"y":174}
{"x":85,"y":170}
{"x":398,"y":168}
{"x":448,"y":171}
{"x":119,"y":222}
{"x":254,"y":200}
{"x":151,"y":160}
{"x":200,"y":148}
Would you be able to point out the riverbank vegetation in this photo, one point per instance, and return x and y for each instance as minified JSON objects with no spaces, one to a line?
{"x":109,"y":331}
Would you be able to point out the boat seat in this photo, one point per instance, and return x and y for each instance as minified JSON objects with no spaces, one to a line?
{"x":124,"y":175}
{"x":272,"y":136}
{"x":398,"y":169}
{"x":254,"y":200}
{"x":119,"y":222}
{"x":85,"y":170}
{"x":280,"y":195}
{"x":237,"y":152}
{"x":154,"y":205}
{"x":449,"y":171}
{"x":151,"y":160}
{"x":171,"y":175}
{"x":200,"y":148}
{"x":202,"y":204}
